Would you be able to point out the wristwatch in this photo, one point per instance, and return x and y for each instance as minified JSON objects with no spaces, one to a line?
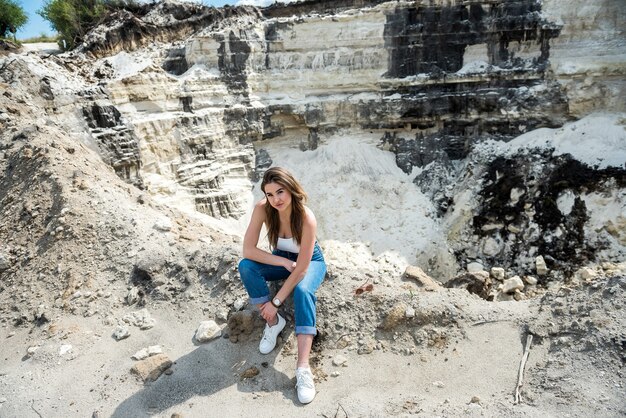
{"x":276,"y":302}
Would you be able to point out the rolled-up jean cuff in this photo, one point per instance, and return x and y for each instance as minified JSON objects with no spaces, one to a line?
{"x":259,"y":300}
{"x":306,"y":330}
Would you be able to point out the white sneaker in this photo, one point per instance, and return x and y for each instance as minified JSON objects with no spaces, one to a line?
{"x":305,"y":385}
{"x":268,"y":342}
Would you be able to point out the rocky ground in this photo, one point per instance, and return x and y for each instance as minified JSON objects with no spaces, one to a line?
{"x":115,"y":304}
{"x":93,"y":271}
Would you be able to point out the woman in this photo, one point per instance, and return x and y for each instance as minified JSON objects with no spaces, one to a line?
{"x":296,"y":258}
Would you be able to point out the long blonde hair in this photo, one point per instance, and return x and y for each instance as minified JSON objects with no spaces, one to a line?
{"x":283,"y":177}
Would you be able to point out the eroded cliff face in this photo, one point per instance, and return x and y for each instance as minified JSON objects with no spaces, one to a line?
{"x":192,"y":103}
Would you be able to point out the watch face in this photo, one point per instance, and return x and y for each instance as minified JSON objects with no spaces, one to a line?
{"x":276,"y":301}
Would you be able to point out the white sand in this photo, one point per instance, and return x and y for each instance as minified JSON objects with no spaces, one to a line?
{"x":598,"y":140}
{"x":359,"y":195}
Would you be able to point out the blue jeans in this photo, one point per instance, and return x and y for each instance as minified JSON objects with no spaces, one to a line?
{"x":255,"y":276}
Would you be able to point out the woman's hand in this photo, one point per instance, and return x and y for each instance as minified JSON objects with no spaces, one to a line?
{"x":268,"y":312}
{"x":289,"y":265}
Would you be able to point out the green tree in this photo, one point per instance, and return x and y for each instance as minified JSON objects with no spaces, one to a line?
{"x":12,"y":17}
{"x":74,"y":18}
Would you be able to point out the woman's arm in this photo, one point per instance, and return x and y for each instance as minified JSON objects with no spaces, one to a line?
{"x":251,"y":240}
{"x":307,"y":245}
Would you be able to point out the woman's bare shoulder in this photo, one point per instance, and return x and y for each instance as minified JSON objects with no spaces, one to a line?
{"x":259,"y":209}
{"x":310,"y":216}
{"x":261,"y":203}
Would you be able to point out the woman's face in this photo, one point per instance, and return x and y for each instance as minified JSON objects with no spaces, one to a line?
{"x":278,"y":196}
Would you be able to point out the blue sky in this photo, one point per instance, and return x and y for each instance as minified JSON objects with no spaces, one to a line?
{"x":37,"y":25}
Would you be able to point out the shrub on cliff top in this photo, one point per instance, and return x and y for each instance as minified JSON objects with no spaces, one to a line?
{"x":12,"y":17}
{"x":74,"y":18}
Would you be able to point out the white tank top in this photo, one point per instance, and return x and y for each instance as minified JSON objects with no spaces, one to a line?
{"x":288,"y":244}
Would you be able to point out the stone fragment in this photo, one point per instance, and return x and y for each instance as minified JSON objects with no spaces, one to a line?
{"x":154,"y":349}
{"x":163,"y":225}
{"x":121,"y":333}
{"x":410,"y":312}
{"x":516,"y":193}
{"x":249,"y":373}
{"x":335,"y":374}
{"x":497,"y":273}
{"x":141,"y":354}
{"x":475,"y":267}
{"x":475,"y":399}
{"x":41,"y":314}
{"x":540,"y":266}
{"x":491,"y":247}
{"x":439,"y":384}
{"x":5,"y":262}
{"x":530,"y":280}
{"x":423,"y":280}
{"x":343,"y":342}
{"x":133,"y":296}
{"x":30,"y":351}
{"x":366,"y":348}
{"x":65,"y":348}
{"x":585,"y":273}
{"x":239,"y":304}
{"x":151,"y":368}
{"x":491,"y":227}
{"x":141,"y":319}
{"x":394,"y":316}
{"x":513,"y":229}
{"x":207,"y":330}
{"x":512,"y":284}
{"x":340,"y":360}
{"x":222,"y":314}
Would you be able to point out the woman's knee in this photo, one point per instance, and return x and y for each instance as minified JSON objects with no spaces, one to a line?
{"x":245,"y":267}
{"x":302,"y":292}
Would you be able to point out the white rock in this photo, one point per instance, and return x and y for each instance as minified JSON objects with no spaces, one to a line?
{"x":516,"y":194}
{"x":3,"y":400}
{"x":132,"y":296}
{"x":207,"y":330}
{"x":410,"y":312}
{"x":335,"y":374}
{"x":585,"y":273}
{"x":439,"y":384}
{"x":340,"y":360}
{"x":530,"y":280}
{"x":65,"y":348}
{"x":222,"y":314}
{"x":120,"y":333}
{"x":140,"y":355}
{"x":475,"y":267}
{"x":5,"y":263}
{"x":163,"y":225}
{"x":32,"y":350}
{"x":141,"y":319}
{"x":239,"y":304}
{"x":497,"y":273}
{"x":491,"y":247}
{"x":512,"y":284}
{"x":154,"y":349}
{"x":513,"y":229}
{"x":540,"y":266}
